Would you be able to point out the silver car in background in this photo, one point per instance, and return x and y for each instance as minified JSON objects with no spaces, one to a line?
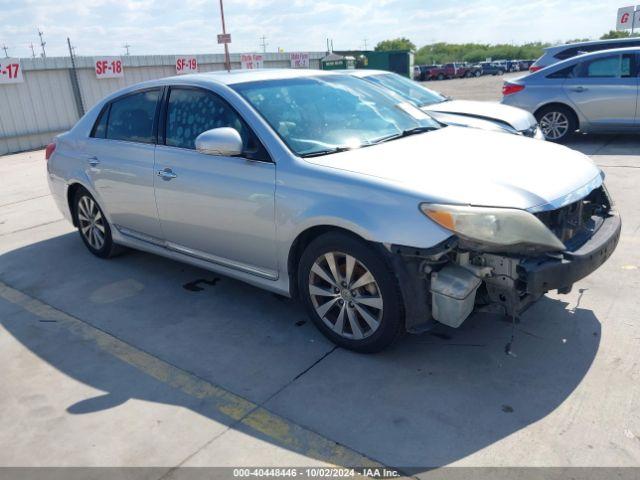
{"x":320,"y":186}
{"x":464,"y":113}
{"x":558,"y":53}
{"x":593,"y":93}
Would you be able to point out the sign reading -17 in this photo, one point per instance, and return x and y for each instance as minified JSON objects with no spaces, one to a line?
{"x":10,"y":71}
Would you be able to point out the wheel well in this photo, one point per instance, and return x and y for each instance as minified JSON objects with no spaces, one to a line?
{"x":559,"y":104}
{"x":300,"y":243}
{"x":71,"y":193}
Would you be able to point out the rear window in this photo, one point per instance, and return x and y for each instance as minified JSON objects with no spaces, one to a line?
{"x":131,"y":118}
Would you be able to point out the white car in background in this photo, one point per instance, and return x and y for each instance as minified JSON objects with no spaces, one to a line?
{"x":465,"y":113}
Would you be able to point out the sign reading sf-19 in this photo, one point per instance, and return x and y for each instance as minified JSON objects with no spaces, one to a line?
{"x":186,"y":65}
{"x":10,"y":70}
{"x":109,"y":67}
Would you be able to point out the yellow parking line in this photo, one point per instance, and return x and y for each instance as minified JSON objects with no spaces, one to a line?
{"x":283,"y":432}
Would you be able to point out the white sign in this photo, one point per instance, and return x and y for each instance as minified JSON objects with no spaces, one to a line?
{"x":250,"y":61}
{"x":10,"y":71}
{"x":636,"y":18}
{"x":299,"y":60}
{"x":624,"y":20}
{"x":109,"y":67}
{"x":186,"y":65}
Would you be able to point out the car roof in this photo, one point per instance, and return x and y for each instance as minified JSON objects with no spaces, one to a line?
{"x":578,"y":58}
{"x":557,"y":48}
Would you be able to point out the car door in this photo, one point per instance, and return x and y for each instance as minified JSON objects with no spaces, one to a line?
{"x":605,"y":90}
{"x":216,"y":208}
{"x":120,"y":162}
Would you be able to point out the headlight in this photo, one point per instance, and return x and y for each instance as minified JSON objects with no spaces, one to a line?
{"x":493,"y":226}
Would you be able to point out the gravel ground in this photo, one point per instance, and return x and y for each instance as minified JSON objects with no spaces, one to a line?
{"x":486,"y":88}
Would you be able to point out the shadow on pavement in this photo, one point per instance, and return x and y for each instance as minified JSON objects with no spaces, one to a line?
{"x":428,"y":401}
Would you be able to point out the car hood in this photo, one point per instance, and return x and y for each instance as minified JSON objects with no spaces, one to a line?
{"x":516,"y":117}
{"x":473,"y":167}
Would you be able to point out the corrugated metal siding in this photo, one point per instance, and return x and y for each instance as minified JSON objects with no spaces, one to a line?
{"x":44,"y":105}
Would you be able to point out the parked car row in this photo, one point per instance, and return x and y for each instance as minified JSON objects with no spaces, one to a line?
{"x":361,"y":193}
{"x":466,"y":70}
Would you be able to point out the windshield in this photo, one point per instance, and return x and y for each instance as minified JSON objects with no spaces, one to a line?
{"x":407,"y":89}
{"x":325,"y":114}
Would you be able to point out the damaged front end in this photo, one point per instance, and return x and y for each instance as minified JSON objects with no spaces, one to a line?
{"x":463,"y":273}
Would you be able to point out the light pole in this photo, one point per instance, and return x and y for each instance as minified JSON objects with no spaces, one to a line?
{"x":227,"y":61}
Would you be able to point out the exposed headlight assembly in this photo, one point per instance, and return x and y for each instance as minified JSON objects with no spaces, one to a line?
{"x":502,"y":227}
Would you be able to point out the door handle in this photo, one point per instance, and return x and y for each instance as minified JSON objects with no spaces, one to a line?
{"x":93,"y":160}
{"x":579,"y":89}
{"x":167,"y":174}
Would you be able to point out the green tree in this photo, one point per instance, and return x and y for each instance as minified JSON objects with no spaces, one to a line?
{"x":617,"y":34}
{"x":395,"y":44}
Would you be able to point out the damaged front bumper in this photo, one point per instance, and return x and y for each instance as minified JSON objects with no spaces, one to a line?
{"x":446,"y":283}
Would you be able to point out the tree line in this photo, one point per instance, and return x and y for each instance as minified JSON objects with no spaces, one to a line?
{"x":443,"y":52}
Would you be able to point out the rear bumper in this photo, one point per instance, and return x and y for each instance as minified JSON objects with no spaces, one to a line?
{"x":552,"y":274}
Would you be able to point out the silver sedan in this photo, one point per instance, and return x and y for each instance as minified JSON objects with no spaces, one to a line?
{"x":593,"y":93}
{"x":320,"y":186}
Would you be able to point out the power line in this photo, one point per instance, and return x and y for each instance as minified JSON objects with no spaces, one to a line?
{"x":42,"y":43}
{"x":264,"y":43}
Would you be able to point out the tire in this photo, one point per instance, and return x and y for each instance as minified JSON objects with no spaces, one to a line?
{"x":500,"y":72}
{"x":349,"y":323}
{"x":440,"y":76}
{"x":93,"y":227}
{"x":478,"y":74}
{"x":558,"y":123}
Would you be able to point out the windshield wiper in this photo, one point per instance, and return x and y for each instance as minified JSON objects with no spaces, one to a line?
{"x":327,"y":151}
{"x":405,"y":133}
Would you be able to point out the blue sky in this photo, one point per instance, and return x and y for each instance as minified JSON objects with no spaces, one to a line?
{"x":190,"y":26}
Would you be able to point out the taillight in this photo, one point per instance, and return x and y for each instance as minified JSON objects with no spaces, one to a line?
{"x":49,"y":151}
{"x":535,"y":68}
{"x":510,"y":88}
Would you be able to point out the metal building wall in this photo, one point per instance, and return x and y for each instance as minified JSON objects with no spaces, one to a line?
{"x":44,"y":105}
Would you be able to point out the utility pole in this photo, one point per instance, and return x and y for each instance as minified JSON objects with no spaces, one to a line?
{"x":33,"y":50}
{"x":227,"y":61}
{"x":6,"y":50}
{"x":264,"y":44}
{"x":126,"y":46}
{"x":365,"y":43}
{"x":75,"y":86}
{"x":42,"y":44}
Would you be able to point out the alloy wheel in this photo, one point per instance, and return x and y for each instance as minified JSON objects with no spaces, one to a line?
{"x":345,"y":295}
{"x":91,"y":222}
{"x":555,"y":125}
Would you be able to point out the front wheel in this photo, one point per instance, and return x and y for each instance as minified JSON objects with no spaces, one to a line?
{"x":350,"y":293}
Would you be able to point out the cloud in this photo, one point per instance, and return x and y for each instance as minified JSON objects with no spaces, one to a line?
{"x":190,"y":26}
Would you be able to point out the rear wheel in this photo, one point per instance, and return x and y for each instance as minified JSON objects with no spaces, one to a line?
{"x":350,"y":293}
{"x":478,"y":73}
{"x":557,"y":122}
{"x":93,"y":226}
{"x":440,"y":76}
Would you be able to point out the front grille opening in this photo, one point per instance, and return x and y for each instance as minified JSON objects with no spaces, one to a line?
{"x":575,"y":223}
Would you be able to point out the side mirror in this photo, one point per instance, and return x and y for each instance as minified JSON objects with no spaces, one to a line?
{"x":224,"y":142}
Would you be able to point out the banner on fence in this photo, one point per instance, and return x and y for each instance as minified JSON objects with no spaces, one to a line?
{"x":299,"y":59}
{"x":250,"y":61}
